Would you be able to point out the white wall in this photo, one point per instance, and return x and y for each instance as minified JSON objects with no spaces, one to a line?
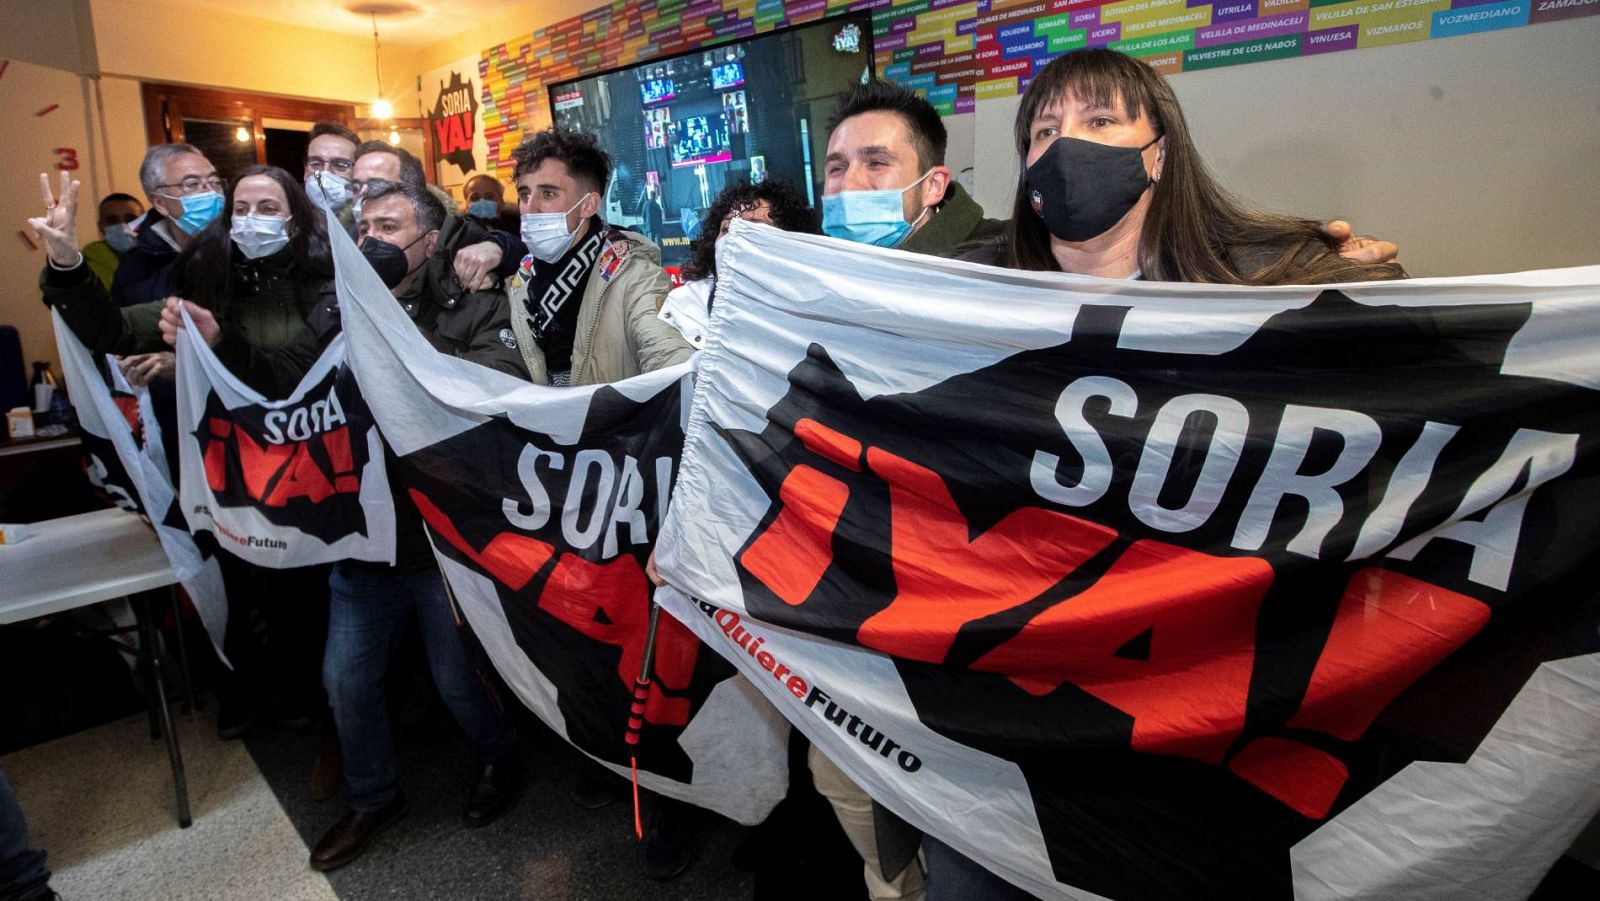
{"x":30,"y":149}
{"x":1475,"y":154}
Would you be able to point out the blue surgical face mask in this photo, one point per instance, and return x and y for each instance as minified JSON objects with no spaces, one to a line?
{"x":869,"y":217}
{"x":199,"y":210}
{"x":120,"y":237}
{"x":483,"y":209}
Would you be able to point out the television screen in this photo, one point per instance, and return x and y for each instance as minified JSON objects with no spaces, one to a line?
{"x":727,"y":75}
{"x":699,"y":140}
{"x":656,"y":90}
{"x":749,"y":110}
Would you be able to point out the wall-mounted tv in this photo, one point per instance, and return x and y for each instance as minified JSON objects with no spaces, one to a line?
{"x":680,"y":128}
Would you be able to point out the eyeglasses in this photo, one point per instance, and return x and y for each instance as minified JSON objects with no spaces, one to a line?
{"x":194,"y":184}
{"x":337,"y":164}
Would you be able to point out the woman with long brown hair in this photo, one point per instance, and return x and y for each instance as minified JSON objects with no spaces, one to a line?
{"x":1111,"y":185}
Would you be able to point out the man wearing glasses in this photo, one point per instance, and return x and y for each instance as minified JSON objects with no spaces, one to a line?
{"x":185,"y":194}
{"x":330,"y":158}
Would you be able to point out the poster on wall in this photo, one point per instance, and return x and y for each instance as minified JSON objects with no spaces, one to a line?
{"x":450,"y":99}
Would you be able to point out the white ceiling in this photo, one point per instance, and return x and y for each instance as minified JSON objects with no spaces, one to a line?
{"x":412,"y":23}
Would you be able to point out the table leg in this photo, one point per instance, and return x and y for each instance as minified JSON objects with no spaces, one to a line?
{"x":183,"y":651}
{"x":150,"y":637}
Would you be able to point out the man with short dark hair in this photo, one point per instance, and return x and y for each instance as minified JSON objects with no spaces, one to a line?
{"x":115,"y":218}
{"x":330,"y":159}
{"x":885,"y":181}
{"x":482,"y":257}
{"x":584,"y":300}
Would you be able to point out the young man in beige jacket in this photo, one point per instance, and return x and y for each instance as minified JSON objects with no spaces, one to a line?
{"x":584,"y":300}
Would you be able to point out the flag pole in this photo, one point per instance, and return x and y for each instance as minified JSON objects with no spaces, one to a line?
{"x":641,"y":694}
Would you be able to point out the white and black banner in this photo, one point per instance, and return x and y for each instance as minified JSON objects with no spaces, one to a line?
{"x":543,"y":505}
{"x":1139,"y":590}
{"x":285,"y":482}
{"x":127,"y":459}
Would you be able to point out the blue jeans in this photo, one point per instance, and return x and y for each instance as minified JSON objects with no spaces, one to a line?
{"x":368,"y":611}
{"x":22,"y":871}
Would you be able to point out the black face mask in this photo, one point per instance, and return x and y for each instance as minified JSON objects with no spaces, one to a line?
{"x":1080,"y":189}
{"x":388,"y":260}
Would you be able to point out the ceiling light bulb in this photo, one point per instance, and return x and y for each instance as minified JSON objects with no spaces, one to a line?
{"x":382,"y":109}
{"x":242,"y":135}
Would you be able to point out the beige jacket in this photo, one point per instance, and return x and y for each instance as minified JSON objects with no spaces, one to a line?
{"x":618,"y":334}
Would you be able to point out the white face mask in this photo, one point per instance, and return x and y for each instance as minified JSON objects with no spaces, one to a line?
{"x":327,"y":191}
{"x":260,"y":236}
{"x":546,"y":234}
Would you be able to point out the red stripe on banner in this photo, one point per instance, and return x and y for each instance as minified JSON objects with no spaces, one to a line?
{"x":1390,"y":629}
{"x":946,"y":578}
{"x":1307,"y":779}
{"x":609,"y":602}
{"x":1167,"y":636}
{"x":829,"y":444}
{"x":27,"y":240}
{"x":215,"y":456}
{"x":259,"y":464}
{"x":793,"y":553}
{"x":49,"y":109}
{"x":511,"y":559}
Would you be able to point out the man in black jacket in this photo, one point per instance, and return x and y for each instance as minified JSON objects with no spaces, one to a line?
{"x":177,"y":179}
{"x":371,"y":603}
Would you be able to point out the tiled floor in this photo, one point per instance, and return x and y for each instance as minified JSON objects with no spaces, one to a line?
{"x":101,"y":803}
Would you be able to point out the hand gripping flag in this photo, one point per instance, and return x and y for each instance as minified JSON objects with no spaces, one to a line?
{"x":1138,"y":590}
{"x":127,"y":459}
{"x":281,"y":483}
{"x":543,"y":505}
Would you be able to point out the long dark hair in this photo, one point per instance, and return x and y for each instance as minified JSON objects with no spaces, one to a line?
{"x":206,"y":271}
{"x":789,"y":212}
{"x":1192,"y":222}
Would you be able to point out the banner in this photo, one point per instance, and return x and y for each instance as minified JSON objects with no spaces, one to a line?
{"x":127,"y":459}
{"x":543,"y":505}
{"x":1141,"y":590}
{"x":281,"y":483}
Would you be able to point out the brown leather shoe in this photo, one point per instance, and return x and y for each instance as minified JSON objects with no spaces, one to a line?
{"x":348,"y":838}
{"x":327,"y":771}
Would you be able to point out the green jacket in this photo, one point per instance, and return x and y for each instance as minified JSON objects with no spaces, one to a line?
{"x":956,"y":222}
{"x":102,"y":259}
{"x":268,"y":308}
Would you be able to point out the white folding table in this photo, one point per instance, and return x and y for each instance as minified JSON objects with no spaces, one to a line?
{"x":75,"y":561}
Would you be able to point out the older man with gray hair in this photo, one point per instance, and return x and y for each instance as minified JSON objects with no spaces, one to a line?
{"x":185,"y":194}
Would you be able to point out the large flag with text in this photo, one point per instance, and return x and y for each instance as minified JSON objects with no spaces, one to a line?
{"x":1139,"y":590}
{"x":543,"y":505}
{"x":286,"y":482}
{"x":127,"y":459}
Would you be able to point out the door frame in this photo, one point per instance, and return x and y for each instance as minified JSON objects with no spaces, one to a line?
{"x":165,"y":106}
